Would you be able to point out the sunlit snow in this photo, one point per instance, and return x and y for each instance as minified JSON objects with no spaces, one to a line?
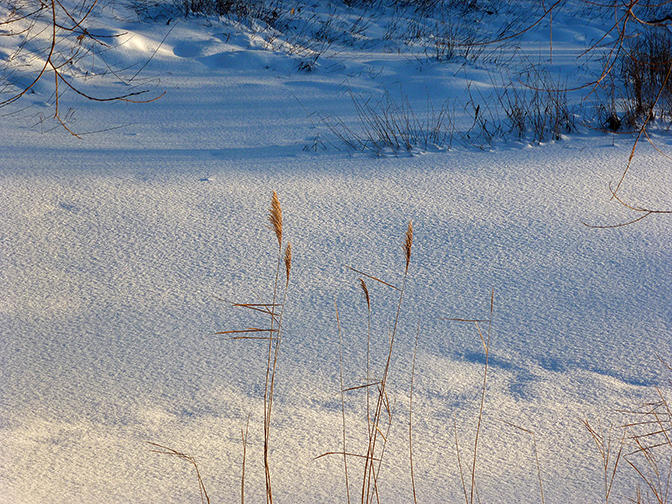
{"x":118,"y":249}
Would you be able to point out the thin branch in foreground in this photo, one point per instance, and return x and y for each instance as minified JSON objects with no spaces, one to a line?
{"x":62,"y":26}
{"x":642,"y":130}
{"x":644,"y":211}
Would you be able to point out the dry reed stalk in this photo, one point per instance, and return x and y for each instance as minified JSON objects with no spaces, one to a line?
{"x":358,"y":387}
{"x":480,"y":416}
{"x":366,"y":293}
{"x":372,"y":278}
{"x":410,"y":416}
{"x":485,"y":341}
{"x":375,"y":452}
{"x":174,"y":453}
{"x":275,"y":221}
{"x":368,"y":357}
{"x":408,"y":243}
{"x":652,"y":437}
{"x":274,"y":338}
{"x":370,"y":478}
{"x":340,"y":365}
{"x":260,"y":307}
{"x":459,"y":462}
{"x":288,"y":261}
{"x":267,"y":308}
{"x":536,"y":454}
{"x":653,"y":479}
{"x":604,"y":447}
{"x":242,"y":476}
{"x":486,"y":347}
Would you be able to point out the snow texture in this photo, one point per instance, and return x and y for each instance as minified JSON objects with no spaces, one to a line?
{"x":117,"y":250}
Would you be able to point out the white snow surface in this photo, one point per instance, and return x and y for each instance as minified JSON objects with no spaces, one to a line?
{"x":117,"y":249}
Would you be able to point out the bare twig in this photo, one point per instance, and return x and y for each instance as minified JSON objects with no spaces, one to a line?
{"x":645,"y":212}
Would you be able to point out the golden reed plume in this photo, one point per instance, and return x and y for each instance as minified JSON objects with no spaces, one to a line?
{"x":408,"y":244}
{"x":366,"y":293}
{"x":275,"y":217}
{"x":288,"y":259}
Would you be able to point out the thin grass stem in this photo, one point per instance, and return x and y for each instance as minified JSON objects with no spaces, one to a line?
{"x":410,"y":417}
{"x":242,"y":476}
{"x":340,"y":362}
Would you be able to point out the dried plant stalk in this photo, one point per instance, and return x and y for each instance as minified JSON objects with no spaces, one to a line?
{"x":164,"y":450}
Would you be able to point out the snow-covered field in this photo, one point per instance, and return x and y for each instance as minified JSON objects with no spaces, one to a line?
{"x":116,"y":250}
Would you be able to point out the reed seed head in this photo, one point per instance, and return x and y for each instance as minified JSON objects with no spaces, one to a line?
{"x":288,"y":259}
{"x":275,"y":217}
{"x":408,"y":244}
{"x":366,"y":293}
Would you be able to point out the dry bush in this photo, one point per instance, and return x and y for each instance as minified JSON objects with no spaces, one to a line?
{"x":538,"y":110}
{"x":644,"y":70}
{"x":644,"y":445}
{"x":388,"y":125}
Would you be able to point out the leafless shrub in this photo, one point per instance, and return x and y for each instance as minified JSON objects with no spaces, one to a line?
{"x":635,"y":74}
{"x":550,"y":112}
{"x":392,"y":126}
{"x":486,"y":125}
{"x":260,"y":10}
{"x":645,"y":68}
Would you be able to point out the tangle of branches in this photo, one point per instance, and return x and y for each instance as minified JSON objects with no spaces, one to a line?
{"x":51,"y":41}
